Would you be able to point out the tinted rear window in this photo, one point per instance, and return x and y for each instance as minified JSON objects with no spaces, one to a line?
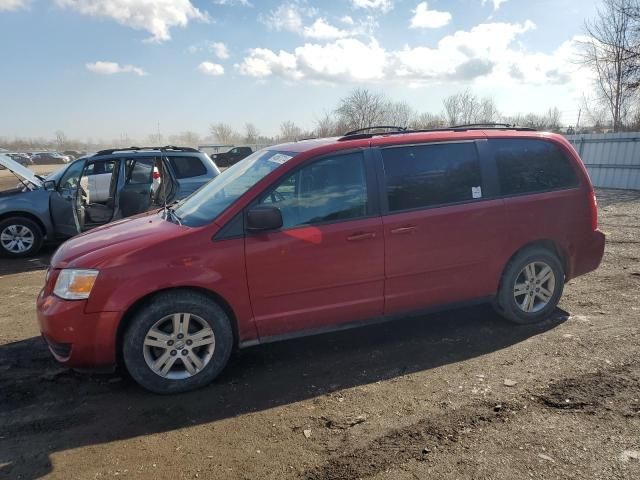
{"x":186,"y":167}
{"x":526,"y":166}
{"x":427,"y":175}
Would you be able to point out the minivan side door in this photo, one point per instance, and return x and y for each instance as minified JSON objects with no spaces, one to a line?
{"x":325,"y":265}
{"x":441,"y":231}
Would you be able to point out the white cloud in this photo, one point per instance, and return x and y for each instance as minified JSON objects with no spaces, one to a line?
{"x":347,"y":59}
{"x":210,"y":68}
{"x":111,"y":68}
{"x":288,"y":16}
{"x":220,"y":50}
{"x":262,"y":62}
{"x":496,"y":3}
{"x":347,"y":20}
{"x":381,"y":5}
{"x":425,"y":18}
{"x":243,"y":3}
{"x":9,"y":5}
{"x":321,"y":30}
{"x":488,"y":54}
{"x":155,"y":16}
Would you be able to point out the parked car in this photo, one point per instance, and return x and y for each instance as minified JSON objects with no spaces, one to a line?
{"x":231,"y":157}
{"x":93,"y":191}
{"x":73,"y":154}
{"x":22,"y":158}
{"x":325,"y":234}
{"x":40,"y":158}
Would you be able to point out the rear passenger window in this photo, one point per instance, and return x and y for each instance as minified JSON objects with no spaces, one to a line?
{"x":139,"y":171}
{"x":187,"y":167}
{"x":428,"y":175}
{"x":526,"y":166}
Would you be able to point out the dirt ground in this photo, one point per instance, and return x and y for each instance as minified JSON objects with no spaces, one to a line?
{"x":458,"y":395}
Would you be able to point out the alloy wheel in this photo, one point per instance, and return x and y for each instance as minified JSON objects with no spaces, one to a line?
{"x":534,"y":287}
{"x":179,"y":346}
{"x":17,"y":238}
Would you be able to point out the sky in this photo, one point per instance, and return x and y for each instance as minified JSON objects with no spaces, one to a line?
{"x":107,"y":68}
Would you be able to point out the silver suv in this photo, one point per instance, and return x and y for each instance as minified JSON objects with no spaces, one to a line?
{"x":93,"y":191}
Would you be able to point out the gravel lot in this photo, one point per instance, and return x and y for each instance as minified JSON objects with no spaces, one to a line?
{"x":459,"y":395}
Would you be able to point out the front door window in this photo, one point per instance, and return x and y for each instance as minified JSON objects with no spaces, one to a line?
{"x":329,"y":190}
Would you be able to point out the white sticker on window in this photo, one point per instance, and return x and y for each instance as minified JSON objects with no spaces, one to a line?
{"x":476,"y":192}
{"x":280,"y":158}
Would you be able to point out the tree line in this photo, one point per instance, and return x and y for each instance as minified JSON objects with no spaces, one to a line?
{"x":364,"y":108}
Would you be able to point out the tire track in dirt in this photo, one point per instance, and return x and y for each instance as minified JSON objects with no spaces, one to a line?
{"x":585,"y":393}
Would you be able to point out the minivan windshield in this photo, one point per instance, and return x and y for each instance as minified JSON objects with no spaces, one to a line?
{"x":211,"y":200}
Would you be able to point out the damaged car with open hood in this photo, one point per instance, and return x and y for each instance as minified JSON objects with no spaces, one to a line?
{"x":93,"y":191}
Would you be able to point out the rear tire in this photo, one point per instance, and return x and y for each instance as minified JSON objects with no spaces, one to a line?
{"x":20,"y":237}
{"x":179,"y":341}
{"x":531,"y":286}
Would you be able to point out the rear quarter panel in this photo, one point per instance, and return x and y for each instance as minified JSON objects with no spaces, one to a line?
{"x":562,"y":216}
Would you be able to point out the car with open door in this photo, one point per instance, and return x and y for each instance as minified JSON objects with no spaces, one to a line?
{"x":93,"y":191}
{"x":321,"y":235}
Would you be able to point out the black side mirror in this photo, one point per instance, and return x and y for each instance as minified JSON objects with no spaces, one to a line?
{"x":264,"y":218}
{"x":49,"y":185}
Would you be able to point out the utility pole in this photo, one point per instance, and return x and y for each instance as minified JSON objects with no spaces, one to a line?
{"x":578,"y":122}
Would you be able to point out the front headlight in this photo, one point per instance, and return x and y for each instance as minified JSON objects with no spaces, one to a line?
{"x":75,"y":284}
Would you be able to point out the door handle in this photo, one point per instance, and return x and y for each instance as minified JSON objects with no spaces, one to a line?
{"x":361,"y":236}
{"x":401,"y":230}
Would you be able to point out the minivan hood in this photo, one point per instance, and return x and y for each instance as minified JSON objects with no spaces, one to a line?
{"x":115,"y":242}
{"x":21,"y":171}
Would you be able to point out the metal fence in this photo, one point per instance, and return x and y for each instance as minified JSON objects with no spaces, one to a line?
{"x":613,"y":159}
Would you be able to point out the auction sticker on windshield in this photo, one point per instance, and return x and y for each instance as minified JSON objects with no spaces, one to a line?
{"x":280,"y":158}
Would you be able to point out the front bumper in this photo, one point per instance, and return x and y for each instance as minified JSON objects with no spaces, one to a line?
{"x":75,"y":338}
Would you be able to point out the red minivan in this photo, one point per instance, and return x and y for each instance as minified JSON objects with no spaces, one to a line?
{"x":316,"y":235}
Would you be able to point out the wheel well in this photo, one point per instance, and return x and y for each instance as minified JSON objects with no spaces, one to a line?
{"x":30,"y":216}
{"x":549,"y":245}
{"x":140,"y":303}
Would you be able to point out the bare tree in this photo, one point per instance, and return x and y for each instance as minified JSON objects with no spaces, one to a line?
{"x":223,"y":133}
{"x":400,"y":114}
{"x":289,"y":131}
{"x":465,"y":107}
{"x":427,"y":120}
{"x":329,"y":126}
{"x":61,"y":140}
{"x":185,"y":139}
{"x":612,"y":53}
{"x":155,"y":139}
{"x":251,"y":133}
{"x":547,"y":121}
{"x":362,"y":108}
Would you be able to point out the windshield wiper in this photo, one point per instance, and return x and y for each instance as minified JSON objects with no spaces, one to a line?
{"x":168,"y":212}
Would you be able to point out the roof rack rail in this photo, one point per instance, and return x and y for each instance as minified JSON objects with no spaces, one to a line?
{"x":366,"y":132}
{"x":484,"y":125}
{"x":358,"y":134}
{"x":376,"y":127}
{"x":170,"y":148}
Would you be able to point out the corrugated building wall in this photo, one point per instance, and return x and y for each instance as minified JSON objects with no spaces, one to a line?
{"x":613,"y":159}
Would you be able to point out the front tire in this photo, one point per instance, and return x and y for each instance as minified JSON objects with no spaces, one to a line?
{"x":531,"y":286}
{"x":20,"y":237}
{"x":178,"y":341}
